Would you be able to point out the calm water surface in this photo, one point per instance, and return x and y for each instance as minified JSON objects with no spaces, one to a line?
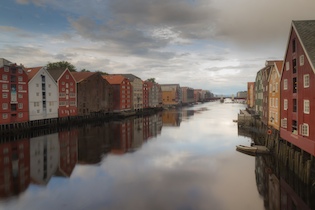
{"x":176,"y":160}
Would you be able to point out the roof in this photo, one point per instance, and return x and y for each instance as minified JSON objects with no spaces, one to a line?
{"x":31,"y":72}
{"x":114,"y":79}
{"x":305,"y":30}
{"x":80,"y":76}
{"x":279,"y":66}
{"x":131,"y":77}
{"x":56,"y":73}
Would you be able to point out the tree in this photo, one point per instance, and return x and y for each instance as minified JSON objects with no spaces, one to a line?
{"x":102,"y":73}
{"x":61,"y":65}
{"x":151,"y":80}
{"x":84,"y":70}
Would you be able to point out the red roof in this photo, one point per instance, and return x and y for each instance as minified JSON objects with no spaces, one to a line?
{"x":31,"y":72}
{"x":114,"y":79}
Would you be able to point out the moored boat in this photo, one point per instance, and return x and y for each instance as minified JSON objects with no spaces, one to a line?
{"x":254,"y":149}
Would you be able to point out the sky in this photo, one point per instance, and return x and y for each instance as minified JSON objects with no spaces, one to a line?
{"x":215,"y":45}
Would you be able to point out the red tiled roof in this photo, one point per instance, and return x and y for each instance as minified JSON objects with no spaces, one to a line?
{"x":114,"y":79}
{"x":31,"y":72}
{"x":80,"y":76}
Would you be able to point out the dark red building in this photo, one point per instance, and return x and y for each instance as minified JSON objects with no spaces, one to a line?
{"x":67,"y":92}
{"x":297,"y":87}
{"x":14,"y":93}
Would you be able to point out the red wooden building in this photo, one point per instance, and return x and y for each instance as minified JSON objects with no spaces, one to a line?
{"x":146,"y":86}
{"x":67,"y":92}
{"x":297,"y":87}
{"x":122,"y":92}
{"x":14,"y":93}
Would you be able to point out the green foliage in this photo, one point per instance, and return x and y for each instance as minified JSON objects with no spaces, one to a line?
{"x":102,"y":73}
{"x":151,"y":80}
{"x":61,"y":65}
{"x":84,"y":70}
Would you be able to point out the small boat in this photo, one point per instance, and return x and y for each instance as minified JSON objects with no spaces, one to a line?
{"x":254,"y":149}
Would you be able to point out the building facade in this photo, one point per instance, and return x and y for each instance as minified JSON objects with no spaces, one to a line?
{"x":251,"y":94}
{"x":297,"y":87}
{"x":94,"y":93}
{"x":274,"y":94}
{"x":187,"y":95}
{"x":43,"y":94}
{"x":67,"y":92}
{"x":171,"y":94}
{"x":122,"y":92}
{"x":14,"y":93}
{"x":137,"y":91}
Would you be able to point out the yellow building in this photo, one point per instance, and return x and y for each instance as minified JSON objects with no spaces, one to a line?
{"x":274,"y":94}
{"x":250,"y":94}
{"x":171,"y":94}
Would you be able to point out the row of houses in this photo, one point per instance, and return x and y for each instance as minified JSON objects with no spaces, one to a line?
{"x":283,"y":93}
{"x":38,"y":93}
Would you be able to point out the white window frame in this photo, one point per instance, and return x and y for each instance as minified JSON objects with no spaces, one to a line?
{"x":285,"y":104}
{"x":304,"y":129}
{"x":306,"y":107}
{"x":284,"y":123}
{"x":287,"y":66}
{"x":285,"y":84}
{"x":301,"y":60}
{"x":4,"y":106}
{"x":306,"y":80}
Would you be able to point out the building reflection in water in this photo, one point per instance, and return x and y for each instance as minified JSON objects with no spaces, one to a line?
{"x":38,"y":159}
{"x":171,"y":118}
{"x":45,"y":154}
{"x":14,"y":167}
{"x":280,"y":188}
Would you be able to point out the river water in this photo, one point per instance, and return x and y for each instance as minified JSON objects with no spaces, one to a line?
{"x":175,"y":160}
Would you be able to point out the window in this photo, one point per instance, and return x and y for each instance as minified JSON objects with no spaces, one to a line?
{"x":285,"y":104}
{"x":20,"y":79}
{"x":285,"y":84}
{"x":294,"y":105}
{"x":276,"y":103}
{"x":306,"y":80}
{"x":284,"y":123}
{"x":4,"y":106}
{"x":276,"y":87}
{"x":20,"y":115}
{"x":20,"y":87}
{"x":20,"y":105}
{"x":20,"y":95}
{"x":293,"y":46}
{"x":306,"y":106}
{"x":4,"y":95}
{"x":294,"y":127}
{"x":287,"y":66}
{"x":294,"y":66}
{"x":6,"y":68}
{"x":4,"y":77}
{"x":301,"y":60}
{"x":304,"y":129}
{"x":294,"y":85}
{"x":67,"y":76}
{"x":4,"y":86}
{"x":5,"y":116}
{"x":20,"y":71}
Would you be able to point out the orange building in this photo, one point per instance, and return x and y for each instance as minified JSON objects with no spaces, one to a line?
{"x":171,"y":94}
{"x":250,"y":94}
{"x":274,"y":94}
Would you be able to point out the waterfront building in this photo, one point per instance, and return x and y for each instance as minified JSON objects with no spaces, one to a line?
{"x":145,"y":94}
{"x":265,"y":101}
{"x":43,"y":94}
{"x":297,"y":87}
{"x":250,"y":94}
{"x":171,"y":94}
{"x":137,"y":91}
{"x":67,"y":92}
{"x":258,"y":93}
{"x":197,"y":95}
{"x":154,"y":94}
{"x":14,"y":93}
{"x":274,"y":94}
{"x":241,"y":94}
{"x":122,"y":92}
{"x":187,"y":95}
{"x":94,"y":93}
